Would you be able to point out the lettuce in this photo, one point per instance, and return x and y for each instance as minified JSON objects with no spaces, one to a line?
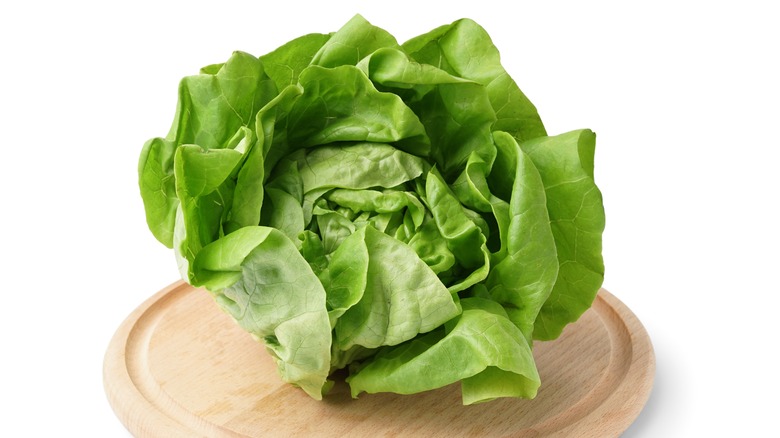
{"x":394,"y":209}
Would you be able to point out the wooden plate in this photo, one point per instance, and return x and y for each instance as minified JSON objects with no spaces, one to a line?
{"x":178,"y":366}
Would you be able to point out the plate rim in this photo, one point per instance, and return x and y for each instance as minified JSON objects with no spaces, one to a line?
{"x":143,"y":417}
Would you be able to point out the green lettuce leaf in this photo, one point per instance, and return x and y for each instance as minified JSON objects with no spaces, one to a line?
{"x":523,"y":279}
{"x":158,"y":188}
{"x":481,"y":347}
{"x":259,"y":278}
{"x":464,"y":239}
{"x":214,"y":108}
{"x":402,"y":296}
{"x":464,"y":49}
{"x":357,"y":39}
{"x":565,"y":163}
{"x":286,"y":63}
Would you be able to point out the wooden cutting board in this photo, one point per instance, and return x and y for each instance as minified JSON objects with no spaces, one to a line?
{"x":178,"y":366}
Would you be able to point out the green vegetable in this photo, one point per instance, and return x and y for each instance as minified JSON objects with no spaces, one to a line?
{"x":395,"y":209}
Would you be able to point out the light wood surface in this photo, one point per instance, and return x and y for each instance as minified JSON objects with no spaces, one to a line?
{"x":178,"y":366}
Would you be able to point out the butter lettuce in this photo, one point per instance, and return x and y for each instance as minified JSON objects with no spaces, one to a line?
{"x":397,"y":210}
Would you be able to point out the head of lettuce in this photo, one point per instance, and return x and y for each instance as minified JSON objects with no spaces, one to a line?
{"x":398,"y":210}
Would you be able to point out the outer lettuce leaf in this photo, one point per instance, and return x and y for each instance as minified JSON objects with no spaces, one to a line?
{"x":357,"y":39}
{"x":476,"y":345}
{"x":286,"y":63}
{"x":455,"y":129}
{"x":158,"y":188}
{"x":565,"y":164}
{"x":276,"y":298}
{"x":212,"y":109}
{"x":248,"y":194}
{"x":523,"y":280}
{"x":271,"y":121}
{"x":464,"y":49}
{"x":205,"y":185}
{"x":393,"y":69}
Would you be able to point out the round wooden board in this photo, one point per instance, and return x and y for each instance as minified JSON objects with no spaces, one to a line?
{"x":178,"y":366}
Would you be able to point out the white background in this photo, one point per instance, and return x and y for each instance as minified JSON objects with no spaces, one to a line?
{"x":683,"y":95}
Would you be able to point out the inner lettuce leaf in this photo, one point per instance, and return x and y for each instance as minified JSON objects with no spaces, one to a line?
{"x":394,"y":210}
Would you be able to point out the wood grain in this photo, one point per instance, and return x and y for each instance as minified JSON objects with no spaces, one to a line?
{"x":178,"y":366}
